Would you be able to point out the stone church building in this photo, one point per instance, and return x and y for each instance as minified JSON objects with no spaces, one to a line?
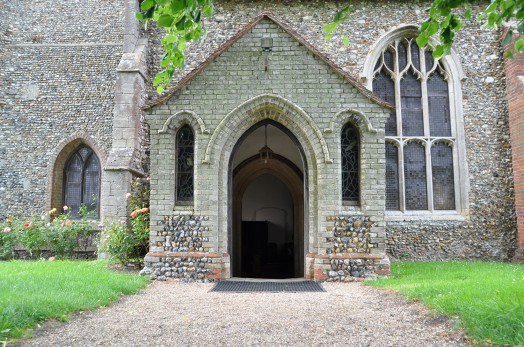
{"x":274,"y":154}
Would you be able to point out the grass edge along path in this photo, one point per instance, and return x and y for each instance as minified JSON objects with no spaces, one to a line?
{"x":34,"y":291}
{"x":486,"y":297}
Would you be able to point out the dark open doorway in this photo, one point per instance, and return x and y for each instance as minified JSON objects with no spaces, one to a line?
{"x":267,"y":230}
{"x":267,"y":238}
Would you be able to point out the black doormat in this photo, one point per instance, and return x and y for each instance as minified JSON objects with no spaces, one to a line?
{"x":273,"y":287}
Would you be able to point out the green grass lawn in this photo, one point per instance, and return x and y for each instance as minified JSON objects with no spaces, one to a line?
{"x":487,"y":298}
{"x":33,"y":291}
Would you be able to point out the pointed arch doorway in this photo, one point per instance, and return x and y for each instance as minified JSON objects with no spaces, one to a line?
{"x":267,"y":190}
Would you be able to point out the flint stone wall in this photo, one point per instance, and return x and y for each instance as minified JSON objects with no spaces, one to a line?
{"x":57,"y":77}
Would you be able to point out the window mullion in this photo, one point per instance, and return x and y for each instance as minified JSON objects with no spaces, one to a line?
{"x":83,"y":185}
{"x":425,"y":105}
{"x":427,"y":130}
{"x":456,"y":176}
{"x":429,"y":175}
{"x":424,"y":87}
{"x":398,"y":104}
{"x":401,"y":186}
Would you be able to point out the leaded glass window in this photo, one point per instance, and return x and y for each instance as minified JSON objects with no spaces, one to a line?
{"x":443,"y":180}
{"x":392,"y":189}
{"x":350,"y":163}
{"x":419,"y":133}
{"x":82,"y":182}
{"x":185,"y":147}
{"x":415,"y":176}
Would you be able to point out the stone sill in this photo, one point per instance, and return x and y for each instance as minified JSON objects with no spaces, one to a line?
{"x":394,"y":216}
{"x":346,"y":256}
{"x":187,"y":254}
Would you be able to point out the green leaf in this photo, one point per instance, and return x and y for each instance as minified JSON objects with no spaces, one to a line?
{"x":492,"y":18}
{"x":181,"y":24}
{"x":438,"y":52}
{"x":328,"y":37}
{"x":144,"y":15}
{"x":491,"y":7}
{"x":455,"y":3}
{"x":341,"y":15}
{"x":196,"y":16}
{"x":455,"y":23}
{"x":330,"y":28}
{"x":446,"y":36}
{"x":508,"y":55}
{"x":519,"y":45}
{"x":165,"y":20}
{"x":169,"y":39}
{"x":182,"y":45}
{"x":507,"y":38}
{"x":467,"y":14}
{"x":444,"y":12}
{"x":432,"y":28}
{"x":422,"y":40}
{"x":178,"y":5}
{"x":345,"y":40}
{"x":147,"y":4}
{"x":208,"y":10}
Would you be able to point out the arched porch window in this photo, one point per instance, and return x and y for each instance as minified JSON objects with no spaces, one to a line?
{"x":350,"y":150}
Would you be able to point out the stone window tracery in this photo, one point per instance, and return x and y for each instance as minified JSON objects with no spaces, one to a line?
{"x":185,"y":147}
{"x":421,"y":141}
{"x":350,"y":164}
{"x":82,"y":182}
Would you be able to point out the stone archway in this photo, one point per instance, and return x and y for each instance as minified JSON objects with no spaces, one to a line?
{"x":261,"y":246}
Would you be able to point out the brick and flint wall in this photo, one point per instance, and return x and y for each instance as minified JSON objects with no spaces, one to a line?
{"x":245,"y":85}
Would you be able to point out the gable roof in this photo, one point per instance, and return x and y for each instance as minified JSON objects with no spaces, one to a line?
{"x":267,"y":15}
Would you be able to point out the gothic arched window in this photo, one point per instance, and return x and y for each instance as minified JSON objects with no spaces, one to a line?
{"x":82,"y":182}
{"x":420,"y":133}
{"x":185,"y":147}
{"x":349,"y":140}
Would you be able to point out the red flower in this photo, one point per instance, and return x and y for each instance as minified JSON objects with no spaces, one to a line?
{"x":144,"y":210}
{"x":134,"y":214}
{"x":28,"y":225}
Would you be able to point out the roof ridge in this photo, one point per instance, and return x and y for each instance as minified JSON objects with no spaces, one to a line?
{"x":226,"y":45}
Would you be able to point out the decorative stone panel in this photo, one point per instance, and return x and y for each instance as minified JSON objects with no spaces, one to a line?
{"x":351,"y":235}
{"x":185,"y":233}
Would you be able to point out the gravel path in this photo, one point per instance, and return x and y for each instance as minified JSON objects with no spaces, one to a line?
{"x":173,"y":314}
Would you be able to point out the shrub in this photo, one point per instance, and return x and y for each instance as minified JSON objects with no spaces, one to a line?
{"x":58,"y":234}
{"x":31,"y":234}
{"x":63,"y":235}
{"x":8,"y":241}
{"x":119,"y":243}
{"x":128,"y":241}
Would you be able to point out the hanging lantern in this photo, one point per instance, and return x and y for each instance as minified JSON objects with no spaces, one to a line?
{"x":265,"y":153}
